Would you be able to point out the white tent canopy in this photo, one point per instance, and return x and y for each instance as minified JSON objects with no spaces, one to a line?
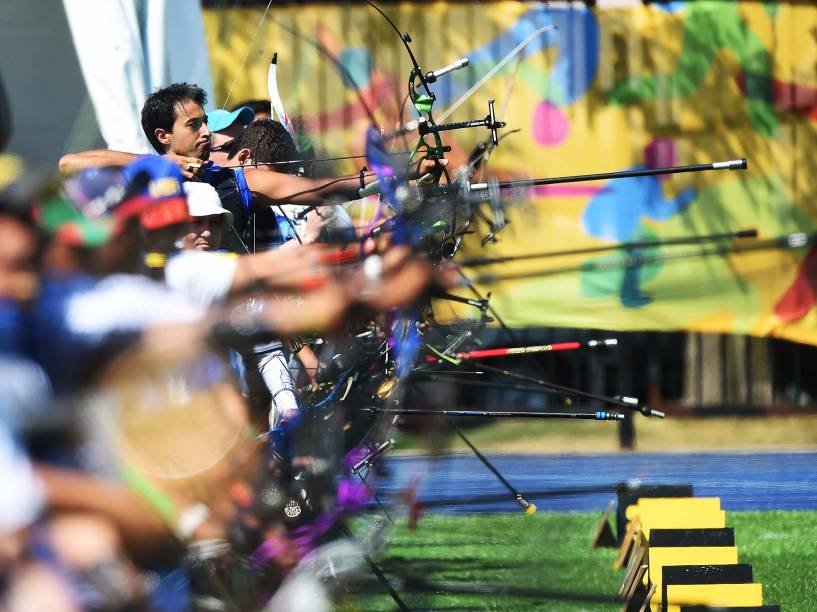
{"x":129,"y":48}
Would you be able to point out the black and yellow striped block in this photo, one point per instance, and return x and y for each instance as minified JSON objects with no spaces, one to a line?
{"x":667,"y":538}
{"x":713,"y":595}
{"x":740,"y":573}
{"x":677,"y":513}
{"x":730,"y":609}
{"x":658,"y":559}
{"x":626,"y":495}
{"x":680,"y":553}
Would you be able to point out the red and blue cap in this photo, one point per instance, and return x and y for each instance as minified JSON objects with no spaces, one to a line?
{"x":154,"y":193}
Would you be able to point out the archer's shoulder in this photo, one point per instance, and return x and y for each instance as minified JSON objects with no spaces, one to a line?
{"x":221,"y":176}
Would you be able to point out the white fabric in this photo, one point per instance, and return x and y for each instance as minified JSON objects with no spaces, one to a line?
{"x":107,"y":39}
{"x":338,"y":225}
{"x":275,"y":371}
{"x":203,"y":201}
{"x":125,"y":54}
{"x":176,"y":47}
{"x":25,"y":394}
{"x":21,"y":496}
{"x":203,"y":277}
{"x":125,"y":303}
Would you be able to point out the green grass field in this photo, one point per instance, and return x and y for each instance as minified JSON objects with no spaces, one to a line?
{"x":551,"y":551}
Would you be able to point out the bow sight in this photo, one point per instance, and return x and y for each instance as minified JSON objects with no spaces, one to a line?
{"x":423,"y":126}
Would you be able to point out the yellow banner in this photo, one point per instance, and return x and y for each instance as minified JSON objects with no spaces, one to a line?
{"x":639,"y":87}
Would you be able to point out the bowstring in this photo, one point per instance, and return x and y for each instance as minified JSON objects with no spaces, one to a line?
{"x":246,"y":55}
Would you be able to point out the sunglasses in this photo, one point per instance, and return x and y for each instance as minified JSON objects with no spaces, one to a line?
{"x":222,"y":147}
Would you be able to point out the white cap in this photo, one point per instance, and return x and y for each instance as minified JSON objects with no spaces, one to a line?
{"x":203,"y":201}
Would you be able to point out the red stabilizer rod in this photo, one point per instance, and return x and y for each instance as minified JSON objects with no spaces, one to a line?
{"x":524,"y":350}
{"x":502,"y":352}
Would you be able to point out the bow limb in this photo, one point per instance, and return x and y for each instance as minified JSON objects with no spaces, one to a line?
{"x":405,"y":39}
{"x":276,"y":104}
{"x":326,"y":53}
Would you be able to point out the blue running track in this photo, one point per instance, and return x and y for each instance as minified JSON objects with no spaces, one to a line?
{"x":751,"y":481}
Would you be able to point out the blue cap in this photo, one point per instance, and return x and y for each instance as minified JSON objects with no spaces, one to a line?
{"x":155,"y":192}
{"x":221,"y":119}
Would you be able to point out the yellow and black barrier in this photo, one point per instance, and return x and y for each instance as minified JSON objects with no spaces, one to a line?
{"x":680,"y":557}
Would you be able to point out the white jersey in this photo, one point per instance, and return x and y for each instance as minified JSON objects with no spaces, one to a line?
{"x":22,"y":496}
{"x":204,"y":278}
{"x":123,"y":303}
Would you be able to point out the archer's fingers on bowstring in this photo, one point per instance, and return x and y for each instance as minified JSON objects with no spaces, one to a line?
{"x":430,"y":166}
{"x":191,"y":167}
{"x":315,"y":222}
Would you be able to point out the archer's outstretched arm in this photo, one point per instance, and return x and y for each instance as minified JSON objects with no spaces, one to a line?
{"x":279,"y":187}
{"x":72,"y":163}
{"x":276,"y":187}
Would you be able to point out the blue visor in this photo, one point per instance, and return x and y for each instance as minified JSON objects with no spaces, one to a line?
{"x":220,"y":119}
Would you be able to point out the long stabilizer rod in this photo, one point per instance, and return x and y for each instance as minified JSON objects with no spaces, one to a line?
{"x":519,"y":414}
{"x":620,"y":246}
{"x":732,"y":164}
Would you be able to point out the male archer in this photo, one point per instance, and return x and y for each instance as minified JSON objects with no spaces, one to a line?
{"x":175,"y":123}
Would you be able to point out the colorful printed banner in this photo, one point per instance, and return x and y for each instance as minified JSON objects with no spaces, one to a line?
{"x":646,"y":86}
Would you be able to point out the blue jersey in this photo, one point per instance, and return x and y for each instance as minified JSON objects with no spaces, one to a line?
{"x":254,"y":229}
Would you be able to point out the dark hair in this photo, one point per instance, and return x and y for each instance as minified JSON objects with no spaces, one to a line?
{"x":159,"y":110}
{"x":257,"y":106}
{"x":269,"y":142}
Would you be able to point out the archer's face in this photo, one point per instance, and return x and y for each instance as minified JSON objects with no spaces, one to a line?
{"x":189,"y":136}
{"x":221,"y":141}
{"x":205,"y":232}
